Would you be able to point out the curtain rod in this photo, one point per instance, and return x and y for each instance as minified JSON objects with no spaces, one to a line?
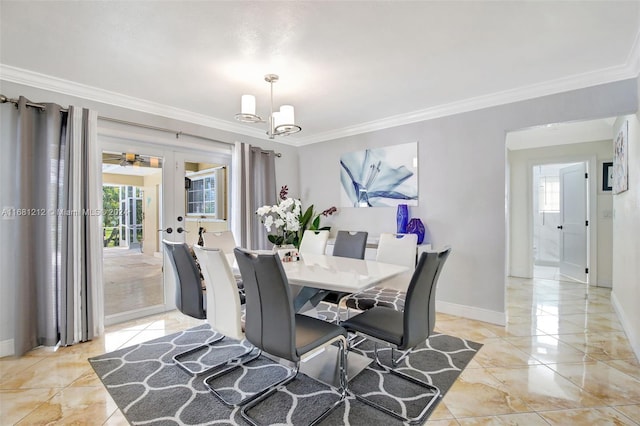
{"x":4,"y":99}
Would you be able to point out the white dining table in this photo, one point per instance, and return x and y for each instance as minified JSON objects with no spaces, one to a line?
{"x":334,"y":273}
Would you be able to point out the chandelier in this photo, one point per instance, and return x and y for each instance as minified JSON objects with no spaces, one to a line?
{"x":280,"y":123}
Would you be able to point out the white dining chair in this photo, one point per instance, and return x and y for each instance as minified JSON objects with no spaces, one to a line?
{"x":314,"y":242}
{"x":397,"y":249}
{"x":223,"y":300}
{"x":221,"y":240}
{"x":224,"y":314}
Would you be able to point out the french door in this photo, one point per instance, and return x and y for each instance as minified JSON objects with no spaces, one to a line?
{"x":162,"y":193}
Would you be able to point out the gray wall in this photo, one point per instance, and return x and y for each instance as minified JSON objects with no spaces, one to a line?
{"x":462,"y":171}
{"x":286,"y":170}
{"x":626,"y":241}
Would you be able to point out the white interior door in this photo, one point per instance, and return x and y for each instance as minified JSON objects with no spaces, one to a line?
{"x":573,"y":222}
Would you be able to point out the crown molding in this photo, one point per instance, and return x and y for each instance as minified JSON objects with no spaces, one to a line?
{"x":630,"y":69}
{"x":67,"y":87}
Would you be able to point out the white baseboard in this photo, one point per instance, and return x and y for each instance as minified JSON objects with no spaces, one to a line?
{"x":7,"y":347}
{"x":605,"y":283}
{"x":626,"y":325}
{"x":471,"y":312}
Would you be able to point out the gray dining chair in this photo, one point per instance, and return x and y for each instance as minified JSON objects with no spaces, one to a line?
{"x":404,"y":330}
{"x":189,"y":297}
{"x":273,"y":327}
{"x":350,"y":244}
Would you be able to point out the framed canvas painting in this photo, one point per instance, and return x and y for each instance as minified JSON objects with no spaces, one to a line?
{"x":620,"y":159}
{"x":380,"y":177}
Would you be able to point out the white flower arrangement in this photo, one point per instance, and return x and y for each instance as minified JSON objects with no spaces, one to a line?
{"x":285,"y":222}
{"x":282,"y":221}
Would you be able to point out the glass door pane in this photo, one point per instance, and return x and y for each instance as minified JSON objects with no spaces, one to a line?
{"x":132,"y":256}
{"x":206,"y":197}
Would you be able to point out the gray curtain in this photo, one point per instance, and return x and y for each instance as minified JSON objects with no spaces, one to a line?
{"x":255,"y":186}
{"x":56,"y":226}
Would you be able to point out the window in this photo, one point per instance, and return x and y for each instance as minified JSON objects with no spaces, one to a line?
{"x":549,"y":194}
{"x":203,"y":191}
{"x":201,"y":197}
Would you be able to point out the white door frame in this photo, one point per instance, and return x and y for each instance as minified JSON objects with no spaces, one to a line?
{"x":125,"y":138}
{"x":592,"y":234}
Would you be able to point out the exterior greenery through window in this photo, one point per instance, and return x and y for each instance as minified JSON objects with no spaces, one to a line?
{"x":122,"y":217}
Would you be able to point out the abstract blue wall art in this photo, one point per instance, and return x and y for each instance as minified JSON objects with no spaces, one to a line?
{"x":380,"y":177}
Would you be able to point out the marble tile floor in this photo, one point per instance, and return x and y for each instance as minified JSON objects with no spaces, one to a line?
{"x":549,"y":273}
{"x":562,"y":359}
{"x":125,"y":291}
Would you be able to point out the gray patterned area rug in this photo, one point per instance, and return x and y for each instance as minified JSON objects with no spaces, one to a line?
{"x":151,"y":390}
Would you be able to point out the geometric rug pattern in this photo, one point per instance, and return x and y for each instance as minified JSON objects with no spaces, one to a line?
{"x":151,"y":390}
{"x":377,"y":296}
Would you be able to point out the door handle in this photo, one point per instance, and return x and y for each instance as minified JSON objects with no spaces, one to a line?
{"x":559,"y":226}
{"x":168,"y":230}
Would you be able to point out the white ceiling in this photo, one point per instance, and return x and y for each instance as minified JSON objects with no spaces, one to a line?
{"x":347,"y":67}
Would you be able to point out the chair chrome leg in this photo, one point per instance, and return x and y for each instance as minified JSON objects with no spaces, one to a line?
{"x":261,"y":396}
{"x":396,"y":362}
{"x":343,"y":388}
{"x":339,"y":309}
{"x":343,"y":383}
{"x":233,"y":364}
{"x":411,"y":420}
{"x":353,"y":344}
{"x":177,"y":357}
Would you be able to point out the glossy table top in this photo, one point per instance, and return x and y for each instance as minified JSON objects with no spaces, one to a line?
{"x":339,"y":273}
{"x":335,"y":273}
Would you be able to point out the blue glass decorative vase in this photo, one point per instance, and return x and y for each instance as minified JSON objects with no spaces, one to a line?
{"x":402,"y":218}
{"x":415,"y":226}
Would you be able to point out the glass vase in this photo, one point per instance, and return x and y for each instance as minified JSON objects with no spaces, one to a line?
{"x":415,"y":226}
{"x":402,"y":218}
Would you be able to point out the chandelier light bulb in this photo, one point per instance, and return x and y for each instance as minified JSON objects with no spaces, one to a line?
{"x":280,"y":123}
{"x":277,"y":119}
{"x":287,"y":115}
{"x":248,"y":104}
